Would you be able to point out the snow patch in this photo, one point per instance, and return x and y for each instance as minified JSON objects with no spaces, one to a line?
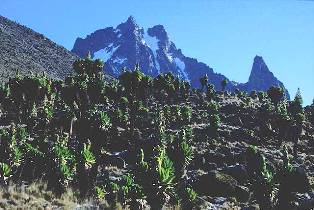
{"x":143,"y":41}
{"x":152,"y":43}
{"x":106,"y":53}
{"x":181,"y":67}
{"x":119,"y":60}
{"x":118,"y":32}
{"x":180,"y":64}
{"x":169,"y":56}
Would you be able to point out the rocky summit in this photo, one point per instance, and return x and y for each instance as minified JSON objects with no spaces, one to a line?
{"x":25,"y":50}
{"x":129,"y":44}
{"x":261,"y":78}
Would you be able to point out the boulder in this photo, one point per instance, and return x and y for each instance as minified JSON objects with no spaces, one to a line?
{"x":215,"y":157}
{"x":305,"y":201}
{"x":296,"y":181}
{"x":215,"y":183}
{"x":238,"y":172}
{"x":242,"y":193}
{"x":200,"y":162}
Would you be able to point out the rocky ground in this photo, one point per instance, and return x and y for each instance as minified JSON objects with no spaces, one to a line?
{"x":26,"y":50}
{"x":106,"y":140}
{"x":218,"y":172}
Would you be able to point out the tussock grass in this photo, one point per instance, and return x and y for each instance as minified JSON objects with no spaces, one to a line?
{"x":38,"y":196}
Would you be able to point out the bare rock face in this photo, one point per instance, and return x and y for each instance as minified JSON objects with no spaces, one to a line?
{"x":129,"y":44}
{"x":26,"y":50}
{"x":261,"y":78}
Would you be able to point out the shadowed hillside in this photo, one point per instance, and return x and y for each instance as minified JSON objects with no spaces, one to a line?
{"x":26,"y":50}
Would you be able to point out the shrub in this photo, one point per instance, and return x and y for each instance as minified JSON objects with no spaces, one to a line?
{"x":204,"y":81}
{"x":275,"y":94}
{"x":186,"y":112}
{"x":157,"y":178}
{"x":214,"y":122}
{"x":224,"y":83}
{"x":261,"y":178}
{"x":210,"y":91}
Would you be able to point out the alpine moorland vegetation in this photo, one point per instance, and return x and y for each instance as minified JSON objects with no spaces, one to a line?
{"x":155,"y":142}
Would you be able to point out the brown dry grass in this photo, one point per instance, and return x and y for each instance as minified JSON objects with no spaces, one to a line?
{"x":37,"y":196}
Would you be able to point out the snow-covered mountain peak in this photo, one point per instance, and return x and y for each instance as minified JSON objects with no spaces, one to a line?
{"x":129,"y":44}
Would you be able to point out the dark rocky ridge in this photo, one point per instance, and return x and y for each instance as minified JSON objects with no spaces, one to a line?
{"x":261,"y":78}
{"x":129,"y":44}
{"x":26,"y":50}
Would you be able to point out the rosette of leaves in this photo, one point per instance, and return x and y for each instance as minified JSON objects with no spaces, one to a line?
{"x":185,"y":90}
{"x":88,"y":66}
{"x":100,"y":192}
{"x":212,"y":107}
{"x":261,"y":96}
{"x":181,"y":152}
{"x":296,"y":110}
{"x":282,"y":110}
{"x":157,"y":178}
{"x":188,"y":198}
{"x":186,"y":112}
{"x":16,"y":90}
{"x":131,"y":192}
{"x":65,"y":160}
{"x":113,"y":190}
{"x":120,"y":118}
{"x":4,"y":92}
{"x":275,"y":94}
{"x":140,"y":114}
{"x":204,"y":81}
{"x":5,"y":171}
{"x":165,"y":83}
{"x":285,"y":196}
{"x":211,"y":92}
{"x":130,"y":81}
{"x":176,"y":114}
{"x":166,"y":112}
{"x":214,"y":122}
{"x":95,"y":89}
{"x":88,"y":156}
{"x":48,"y":110}
{"x":145,"y":87}
{"x":160,"y":126}
{"x":99,"y":119}
{"x":261,"y":178}
{"x":124,"y":103}
{"x":16,"y":149}
{"x":11,"y":153}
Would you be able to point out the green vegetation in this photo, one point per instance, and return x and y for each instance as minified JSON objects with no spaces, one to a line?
{"x":70,"y":133}
{"x":224,"y":84}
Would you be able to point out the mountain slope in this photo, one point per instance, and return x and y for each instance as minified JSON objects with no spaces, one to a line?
{"x":129,"y":44}
{"x":261,"y":78}
{"x":26,"y":50}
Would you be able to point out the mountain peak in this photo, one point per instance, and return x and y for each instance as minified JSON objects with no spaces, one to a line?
{"x":258,"y":59}
{"x":261,"y":78}
{"x":128,"y":45}
{"x":129,"y":26}
{"x":131,"y":20}
{"x":159,"y":32}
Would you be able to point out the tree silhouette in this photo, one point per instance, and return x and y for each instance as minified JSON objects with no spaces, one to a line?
{"x":204,"y":81}
{"x":224,"y":83}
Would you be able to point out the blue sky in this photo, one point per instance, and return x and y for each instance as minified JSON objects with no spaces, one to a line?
{"x":225,"y":34}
